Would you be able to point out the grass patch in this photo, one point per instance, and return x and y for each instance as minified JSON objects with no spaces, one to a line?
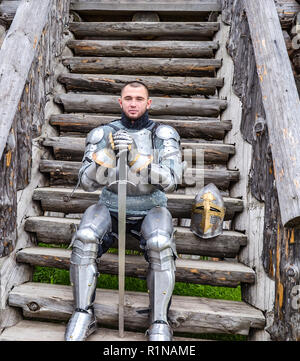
{"x":62,"y":277}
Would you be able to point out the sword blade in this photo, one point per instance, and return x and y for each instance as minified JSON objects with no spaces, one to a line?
{"x":122,"y":234}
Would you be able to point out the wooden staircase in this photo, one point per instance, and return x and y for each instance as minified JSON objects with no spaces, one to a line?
{"x":177,"y":59}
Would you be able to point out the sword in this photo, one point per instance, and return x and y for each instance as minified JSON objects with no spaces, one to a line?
{"x":122,"y":233}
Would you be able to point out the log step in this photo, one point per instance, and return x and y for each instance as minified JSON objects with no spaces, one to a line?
{"x":72,"y":148}
{"x":180,"y":205}
{"x":202,"y":128}
{"x":90,"y":103}
{"x":144,"y":30}
{"x":66,"y":173}
{"x":28,"y":330}
{"x":143,"y":66}
{"x":187,"y":314}
{"x":55,"y":230}
{"x":214,"y":273}
{"x":178,"y":6}
{"x":112,"y":84}
{"x":151,"y":48}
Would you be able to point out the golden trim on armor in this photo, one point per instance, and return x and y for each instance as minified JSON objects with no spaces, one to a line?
{"x":110,"y":138}
{"x":135,"y":159}
{"x":103,"y":163}
{"x":146,"y":164}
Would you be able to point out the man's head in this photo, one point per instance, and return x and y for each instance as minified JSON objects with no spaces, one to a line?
{"x":134,"y":100}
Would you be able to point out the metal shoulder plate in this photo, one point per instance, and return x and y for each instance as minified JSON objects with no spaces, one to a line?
{"x":95,"y":136}
{"x":166,"y":132}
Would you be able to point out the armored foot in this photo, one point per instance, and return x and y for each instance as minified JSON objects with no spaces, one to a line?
{"x":160,"y":331}
{"x":81,"y":325}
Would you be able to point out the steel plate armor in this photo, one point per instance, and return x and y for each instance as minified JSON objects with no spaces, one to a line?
{"x":154,"y":167}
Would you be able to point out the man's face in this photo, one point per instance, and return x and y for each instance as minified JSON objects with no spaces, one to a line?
{"x":134,"y":101}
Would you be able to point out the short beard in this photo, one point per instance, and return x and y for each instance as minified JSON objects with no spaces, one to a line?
{"x":134,"y":119}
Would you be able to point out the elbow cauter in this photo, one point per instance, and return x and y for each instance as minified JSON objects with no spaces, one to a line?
{"x":163,"y":177}
{"x":87,"y":176}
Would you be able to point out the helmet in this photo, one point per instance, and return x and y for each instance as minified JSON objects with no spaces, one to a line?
{"x":208,"y":212}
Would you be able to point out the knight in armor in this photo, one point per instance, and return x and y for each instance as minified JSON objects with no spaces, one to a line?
{"x":154,"y":168}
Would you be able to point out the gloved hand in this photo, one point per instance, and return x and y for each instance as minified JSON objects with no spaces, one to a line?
{"x":120,"y":140}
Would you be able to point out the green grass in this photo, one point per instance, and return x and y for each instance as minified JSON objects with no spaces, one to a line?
{"x":61,"y":277}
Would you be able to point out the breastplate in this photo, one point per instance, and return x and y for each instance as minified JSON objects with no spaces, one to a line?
{"x":143,"y":146}
{"x":143,"y":141}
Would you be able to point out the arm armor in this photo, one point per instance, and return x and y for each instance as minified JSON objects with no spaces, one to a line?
{"x":98,"y":153}
{"x":166,"y":171}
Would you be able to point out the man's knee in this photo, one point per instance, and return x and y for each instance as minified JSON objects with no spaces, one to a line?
{"x":157,"y":219}
{"x":157,"y":232}
{"x":95,"y":223}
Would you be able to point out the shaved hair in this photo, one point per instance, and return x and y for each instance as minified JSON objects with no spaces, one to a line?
{"x":136,"y":84}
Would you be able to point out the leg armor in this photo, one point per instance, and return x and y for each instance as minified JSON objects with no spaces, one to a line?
{"x":95,"y":223}
{"x":157,"y":231}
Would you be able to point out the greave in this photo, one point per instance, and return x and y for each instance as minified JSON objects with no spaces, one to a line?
{"x":83,"y":276}
{"x":161,"y":281}
{"x":95,"y":222}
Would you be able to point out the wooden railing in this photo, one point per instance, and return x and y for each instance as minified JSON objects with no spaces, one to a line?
{"x":265,"y":85}
{"x":281,"y":103}
{"x":27,"y":58}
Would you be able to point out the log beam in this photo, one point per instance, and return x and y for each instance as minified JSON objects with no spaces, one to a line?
{"x":221,"y":273}
{"x":281,"y":104}
{"x":66,"y":173}
{"x":54,"y":230}
{"x":180,"y":205}
{"x":205,"y":128}
{"x":16,"y":56}
{"x":187,"y":314}
{"x":142,"y":29}
{"x":139,"y":65}
{"x":112,"y":84}
{"x":132,"y":48}
{"x":90,"y":103}
{"x":146,"y":5}
{"x":72,"y":148}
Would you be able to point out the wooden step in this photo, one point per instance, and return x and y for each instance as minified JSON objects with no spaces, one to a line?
{"x":112,"y":84}
{"x":72,"y":148}
{"x":204,"y":128}
{"x":143,"y":66}
{"x":28,"y":330}
{"x":144,"y":30}
{"x":145,"y":5}
{"x":55,"y":230}
{"x":214,"y":273}
{"x":187,"y":314}
{"x":151,"y":48}
{"x":66,"y":173}
{"x":180,"y":205}
{"x":90,"y":103}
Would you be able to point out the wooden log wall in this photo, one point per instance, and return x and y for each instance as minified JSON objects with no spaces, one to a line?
{"x":29,"y":115}
{"x":280,"y":256}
